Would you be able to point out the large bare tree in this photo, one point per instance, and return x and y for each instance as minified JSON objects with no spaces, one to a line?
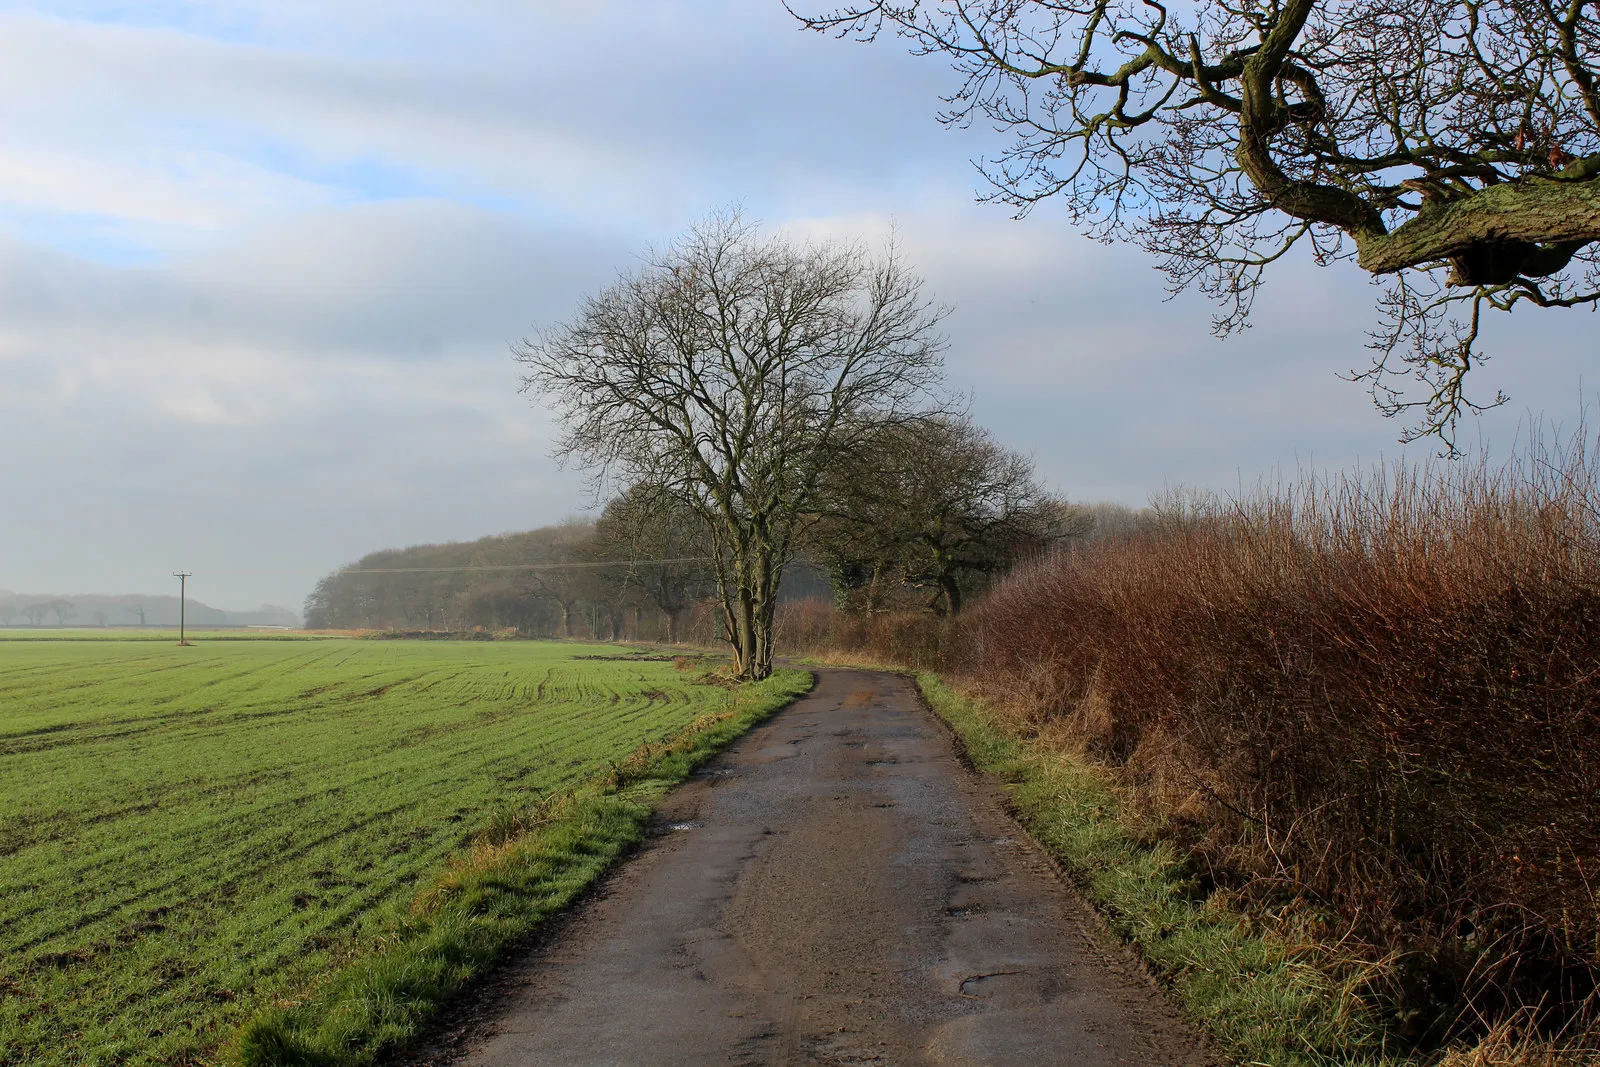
{"x":1450,"y":146}
{"x":728,"y":374}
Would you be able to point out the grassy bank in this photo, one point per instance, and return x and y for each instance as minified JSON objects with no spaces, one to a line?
{"x":1261,"y":992}
{"x":528,"y":866}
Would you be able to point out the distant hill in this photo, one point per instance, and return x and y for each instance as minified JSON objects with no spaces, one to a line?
{"x":98,"y":609}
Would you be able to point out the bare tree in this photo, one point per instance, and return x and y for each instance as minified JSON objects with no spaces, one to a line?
{"x":1452,"y":146}
{"x":728,"y":374}
{"x":63,"y":610}
{"x":667,"y":547}
{"x":937,"y":505}
{"x":562,"y":576}
{"x":608,"y":585}
{"x":35,"y":613}
{"x":1107,"y":521}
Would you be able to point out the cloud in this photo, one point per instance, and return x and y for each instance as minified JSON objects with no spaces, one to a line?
{"x":1074,"y":351}
{"x":260,"y":263}
{"x":298,"y":397}
{"x":621,"y":112}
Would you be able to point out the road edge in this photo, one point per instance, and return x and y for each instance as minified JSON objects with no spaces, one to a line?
{"x":492,"y":897}
{"x":1246,"y":988}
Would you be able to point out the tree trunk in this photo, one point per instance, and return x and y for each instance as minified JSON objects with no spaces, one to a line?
{"x":952,"y":594}
{"x":566,"y":619}
{"x":758,"y":606}
{"x":870,"y":601}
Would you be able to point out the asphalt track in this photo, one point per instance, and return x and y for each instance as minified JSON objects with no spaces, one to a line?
{"x":836,"y":888}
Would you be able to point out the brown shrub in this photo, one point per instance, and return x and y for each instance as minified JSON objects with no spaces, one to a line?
{"x":1378,"y":695}
{"x":916,"y":640}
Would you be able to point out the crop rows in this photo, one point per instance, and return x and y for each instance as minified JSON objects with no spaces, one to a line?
{"x":189,"y":833}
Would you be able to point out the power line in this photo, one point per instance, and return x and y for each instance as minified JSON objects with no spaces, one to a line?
{"x":482,"y":567}
{"x":524,"y":566}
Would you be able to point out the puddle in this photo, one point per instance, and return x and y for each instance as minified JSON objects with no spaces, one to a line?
{"x":685,"y":825}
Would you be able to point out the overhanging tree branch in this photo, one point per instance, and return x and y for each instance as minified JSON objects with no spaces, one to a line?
{"x":1421,"y":138}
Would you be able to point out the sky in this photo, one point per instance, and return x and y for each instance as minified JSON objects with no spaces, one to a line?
{"x":262,"y":263}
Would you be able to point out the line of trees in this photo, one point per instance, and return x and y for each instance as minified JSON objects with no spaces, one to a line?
{"x":37,"y":612}
{"x":542,"y":582}
{"x":924,"y":524}
{"x":129,"y":609}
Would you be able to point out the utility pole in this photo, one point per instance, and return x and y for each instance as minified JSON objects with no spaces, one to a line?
{"x":183,"y":589}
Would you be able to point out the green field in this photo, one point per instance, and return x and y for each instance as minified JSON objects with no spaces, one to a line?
{"x":188,"y":835}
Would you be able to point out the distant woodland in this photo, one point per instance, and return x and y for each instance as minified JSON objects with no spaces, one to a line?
{"x":574,"y":579}
{"x":609,"y":580}
{"x":90,"y":609}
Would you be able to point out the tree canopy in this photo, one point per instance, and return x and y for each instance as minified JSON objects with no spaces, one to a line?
{"x":936,"y":505}
{"x":727,"y":376}
{"x":1449,"y":146}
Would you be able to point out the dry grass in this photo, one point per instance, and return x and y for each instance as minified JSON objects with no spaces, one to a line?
{"x":1516,"y":1041}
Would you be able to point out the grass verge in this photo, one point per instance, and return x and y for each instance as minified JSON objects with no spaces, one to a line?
{"x":528,"y":867}
{"x":1263,"y":994}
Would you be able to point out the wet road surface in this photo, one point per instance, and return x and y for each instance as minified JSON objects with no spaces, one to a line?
{"x":836,"y":888}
